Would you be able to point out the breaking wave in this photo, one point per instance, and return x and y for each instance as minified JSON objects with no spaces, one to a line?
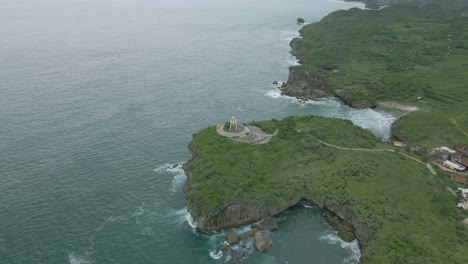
{"x":179,"y":174}
{"x":215,"y":255}
{"x":353,"y":247}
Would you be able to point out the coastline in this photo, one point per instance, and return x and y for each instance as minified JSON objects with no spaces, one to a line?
{"x":340,"y":215}
{"x":246,"y":214}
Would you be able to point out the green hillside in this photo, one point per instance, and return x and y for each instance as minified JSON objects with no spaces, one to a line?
{"x":413,"y":54}
{"x":402,"y":212}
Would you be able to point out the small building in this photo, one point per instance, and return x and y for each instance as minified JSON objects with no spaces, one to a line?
{"x":460,"y":159}
{"x":461,"y":148}
{"x":459,"y":178}
{"x":461,"y":155}
{"x":448,"y":150}
{"x":444,"y":153}
{"x":464,"y":193}
{"x":453,"y":166}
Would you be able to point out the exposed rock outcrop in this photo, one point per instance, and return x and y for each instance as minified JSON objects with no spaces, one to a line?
{"x":267,"y":223}
{"x":344,"y":228}
{"x":248,"y":234}
{"x":262,"y":242}
{"x":236,"y":214}
{"x":304,"y":84}
{"x":225,"y":248}
{"x":232,"y":238}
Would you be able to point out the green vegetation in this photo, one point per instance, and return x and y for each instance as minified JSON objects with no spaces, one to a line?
{"x":409,"y":215}
{"x":413,"y":54}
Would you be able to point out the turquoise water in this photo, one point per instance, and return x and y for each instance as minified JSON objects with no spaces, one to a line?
{"x":99,"y":99}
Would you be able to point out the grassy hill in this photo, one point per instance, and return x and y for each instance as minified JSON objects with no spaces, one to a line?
{"x":403,"y":212}
{"x":400,"y":53}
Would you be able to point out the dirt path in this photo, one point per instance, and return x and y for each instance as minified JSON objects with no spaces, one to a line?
{"x":429,"y":167}
{"x":454,"y":121}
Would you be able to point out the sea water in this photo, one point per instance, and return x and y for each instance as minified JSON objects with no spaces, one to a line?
{"x":98,"y":102}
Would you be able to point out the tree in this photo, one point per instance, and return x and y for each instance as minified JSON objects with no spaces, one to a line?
{"x":300,"y":21}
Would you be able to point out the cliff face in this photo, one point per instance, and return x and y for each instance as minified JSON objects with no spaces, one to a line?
{"x":306,"y":85}
{"x":236,"y":214}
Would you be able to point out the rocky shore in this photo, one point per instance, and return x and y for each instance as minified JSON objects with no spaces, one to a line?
{"x":234,"y":214}
{"x":307,"y":85}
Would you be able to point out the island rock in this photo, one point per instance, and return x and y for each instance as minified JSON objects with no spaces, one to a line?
{"x":262,"y":242}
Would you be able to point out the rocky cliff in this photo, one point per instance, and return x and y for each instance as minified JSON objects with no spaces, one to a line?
{"x":235,"y":213}
{"x":307,"y":85}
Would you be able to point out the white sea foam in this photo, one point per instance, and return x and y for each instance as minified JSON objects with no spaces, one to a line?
{"x":378,"y":121}
{"x":215,"y":255}
{"x":78,"y":259}
{"x":179,"y":174}
{"x":173,"y":168}
{"x":276,"y":94}
{"x":295,"y":62}
{"x":178,"y":181}
{"x":288,"y":35}
{"x":190,"y":220}
{"x":352,"y":247}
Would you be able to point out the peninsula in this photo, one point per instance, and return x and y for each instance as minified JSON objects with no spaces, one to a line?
{"x":387,"y":197}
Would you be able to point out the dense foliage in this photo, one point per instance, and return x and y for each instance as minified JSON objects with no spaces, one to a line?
{"x":412,"y":217}
{"x":411,"y":53}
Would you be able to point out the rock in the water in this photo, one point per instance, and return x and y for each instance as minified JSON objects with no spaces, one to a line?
{"x":262,"y":242}
{"x":267,"y":223}
{"x":225,"y":248}
{"x":275,"y":82}
{"x":248,"y":234}
{"x":232,"y":238}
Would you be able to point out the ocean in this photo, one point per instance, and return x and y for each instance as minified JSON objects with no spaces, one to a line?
{"x":98,"y":102}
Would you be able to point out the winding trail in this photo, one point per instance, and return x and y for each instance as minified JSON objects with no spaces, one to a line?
{"x":429,"y":167}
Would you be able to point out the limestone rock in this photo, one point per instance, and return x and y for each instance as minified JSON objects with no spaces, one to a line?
{"x":262,"y":242}
{"x":345,"y":229}
{"x":248,"y":234}
{"x":304,"y":84}
{"x":225,"y":248}
{"x":267,"y":223}
{"x":232,"y":238}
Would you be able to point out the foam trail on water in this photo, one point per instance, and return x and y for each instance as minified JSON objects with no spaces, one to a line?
{"x":78,"y":259}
